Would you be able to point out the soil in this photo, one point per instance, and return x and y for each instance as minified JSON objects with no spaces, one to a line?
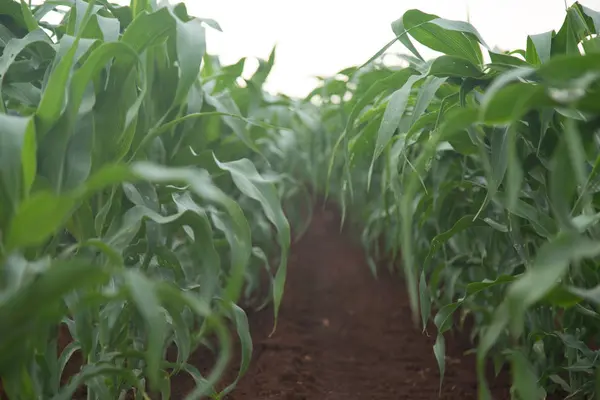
{"x":344,"y":335}
{"x":341,"y":335}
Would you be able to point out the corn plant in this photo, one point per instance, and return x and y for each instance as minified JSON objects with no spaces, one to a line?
{"x":481,"y":167}
{"x":132,"y":209}
{"x":141,"y":191}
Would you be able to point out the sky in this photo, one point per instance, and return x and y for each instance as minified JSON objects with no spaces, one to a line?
{"x":322,"y":37}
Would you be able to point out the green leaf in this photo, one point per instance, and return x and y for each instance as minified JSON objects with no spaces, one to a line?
{"x":463,"y":223}
{"x":91,"y":371}
{"x":456,"y":121}
{"x":512,"y":102}
{"x":449,"y":37}
{"x":149,"y":29}
{"x":204,"y":248}
{"x":401,"y":34}
{"x":443,"y":318}
{"x":571,"y":71}
{"x":425,"y":300}
{"x":30,"y":21}
{"x":248,"y":180}
{"x":425,"y":96}
{"x":499,"y":157}
{"x":264,"y":69}
{"x":561,"y":297}
{"x":439,"y":350}
{"x":391,"y":118}
{"x":516,"y":74}
{"x":453,"y":66}
{"x":200,"y":183}
{"x":110,"y":27}
{"x":489,"y":337}
{"x":514,"y":179}
{"x":54,"y":96}
{"x":191,"y":47}
{"x":14,"y":48}
{"x":562,"y":186}
{"x":524,"y":378}
{"x":225,"y":104}
{"x":144,"y":297}
{"x":17,"y":162}
{"x":42,"y":297}
{"x":398,"y":78}
{"x":92,"y":67}
{"x":78,"y":155}
{"x":476,"y":287}
{"x":506,"y":60}
{"x":79,"y":16}
{"x":551,"y":263}
{"x":37,"y":218}
{"x":538,"y":48}
{"x":243,"y":330}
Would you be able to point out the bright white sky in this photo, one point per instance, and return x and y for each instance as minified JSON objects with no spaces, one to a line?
{"x":321,"y":37}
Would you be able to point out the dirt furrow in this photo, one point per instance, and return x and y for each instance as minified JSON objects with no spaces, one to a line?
{"x":344,"y":335}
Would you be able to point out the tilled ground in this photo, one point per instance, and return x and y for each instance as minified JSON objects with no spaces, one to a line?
{"x":343,"y":335}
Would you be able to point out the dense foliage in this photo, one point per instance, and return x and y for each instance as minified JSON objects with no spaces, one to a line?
{"x":142,"y":184}
{"x":481,"y":169}
{"x":131,"y":210}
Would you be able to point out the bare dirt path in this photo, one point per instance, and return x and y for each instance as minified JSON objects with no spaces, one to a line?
{"x":344,"y":335}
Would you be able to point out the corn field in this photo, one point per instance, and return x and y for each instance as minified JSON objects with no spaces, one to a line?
{"x":149,"y":196}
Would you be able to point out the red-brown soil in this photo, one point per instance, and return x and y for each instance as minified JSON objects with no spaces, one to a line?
{"x":342,"y":335}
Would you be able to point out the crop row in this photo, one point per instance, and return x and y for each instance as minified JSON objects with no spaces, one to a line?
{"x":143,"y":185}
{"x":478,"y":172}
{"x":133,"y":216}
